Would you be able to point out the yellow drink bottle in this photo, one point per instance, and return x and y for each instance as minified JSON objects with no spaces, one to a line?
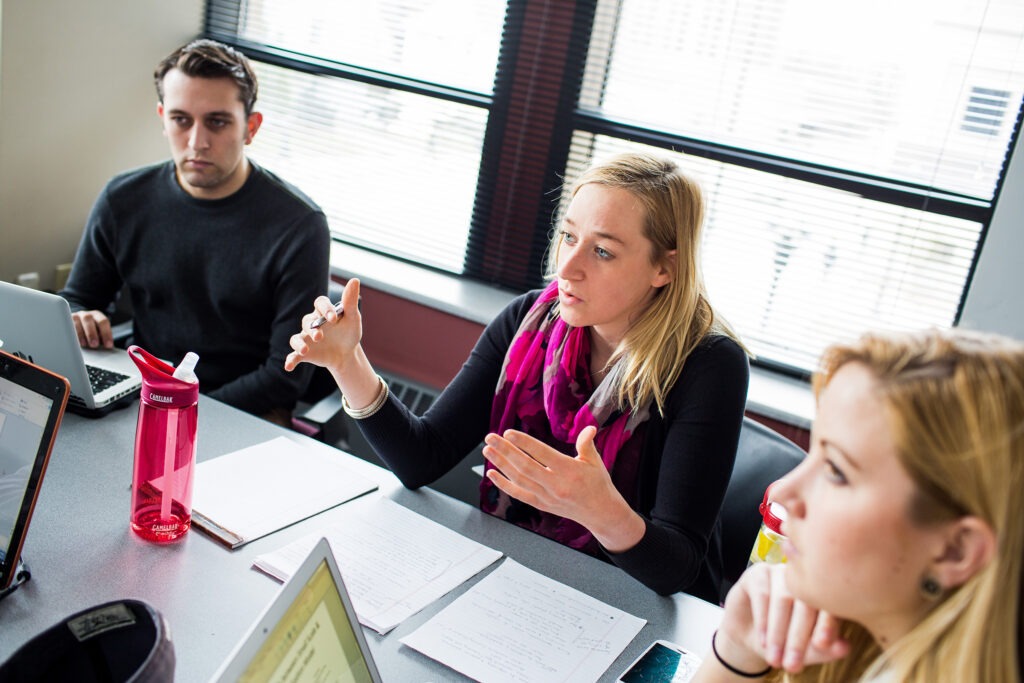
{"x":768,"y":545}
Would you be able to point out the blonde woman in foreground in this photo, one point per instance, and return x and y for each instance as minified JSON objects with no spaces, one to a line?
{"x":905,"y":524}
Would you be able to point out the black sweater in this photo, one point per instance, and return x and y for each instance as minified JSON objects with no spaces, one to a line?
{"x":227,"y":278}
{"x":685,"y":465}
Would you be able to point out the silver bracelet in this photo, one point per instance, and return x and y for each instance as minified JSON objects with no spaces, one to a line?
{"x":375,"y":405}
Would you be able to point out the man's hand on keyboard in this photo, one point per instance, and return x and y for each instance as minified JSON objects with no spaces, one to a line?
{"x":93,"y":329}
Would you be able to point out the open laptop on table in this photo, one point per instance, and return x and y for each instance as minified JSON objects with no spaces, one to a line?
{"x":309,"y":632}
{"x":32,"y":402}
{"x":37,"y":325}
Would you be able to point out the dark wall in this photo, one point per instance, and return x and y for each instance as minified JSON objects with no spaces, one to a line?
{"x":415,"y":341}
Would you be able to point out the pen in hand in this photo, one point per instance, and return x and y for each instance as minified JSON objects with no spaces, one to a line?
{"x":338,"y":308}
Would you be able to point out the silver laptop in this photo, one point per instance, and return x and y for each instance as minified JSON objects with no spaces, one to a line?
{"x":309,"y":632}
{"x":32,"y":402}
{"x":37,"y":326}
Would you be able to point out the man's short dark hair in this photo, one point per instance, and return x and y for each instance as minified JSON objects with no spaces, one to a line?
{"x":206,"y":58}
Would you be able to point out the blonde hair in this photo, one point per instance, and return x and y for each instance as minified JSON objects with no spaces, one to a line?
{"x":955,"y":401}
{"x":680,"y":315}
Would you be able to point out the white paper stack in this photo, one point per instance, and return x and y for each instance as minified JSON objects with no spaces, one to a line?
{"x":254,"y":491}
{"x":394,"y":561}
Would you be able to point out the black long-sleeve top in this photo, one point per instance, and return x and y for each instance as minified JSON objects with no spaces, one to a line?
{"x":686,"y":460}
{"x":229,"y":279}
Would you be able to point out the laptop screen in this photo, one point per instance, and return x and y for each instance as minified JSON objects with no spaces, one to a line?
{"x":313,"y":640}
{"x":32,"y":401}
{"x":101,"y":379}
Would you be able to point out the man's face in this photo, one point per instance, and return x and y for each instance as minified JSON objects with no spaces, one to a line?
{"x":205,"y":123}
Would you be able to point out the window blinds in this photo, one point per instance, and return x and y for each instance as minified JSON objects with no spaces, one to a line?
{"x":851,"y":153}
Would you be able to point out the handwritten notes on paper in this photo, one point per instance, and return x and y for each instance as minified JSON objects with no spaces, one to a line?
{"x":518,"y":626}
{"x":394,"y":561}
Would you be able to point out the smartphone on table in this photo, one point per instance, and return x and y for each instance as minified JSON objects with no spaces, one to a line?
{"x":662,"y":662}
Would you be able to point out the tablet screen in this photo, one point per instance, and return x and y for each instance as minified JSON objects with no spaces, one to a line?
{"x":23,"y":417}
{"x":32,"y":402}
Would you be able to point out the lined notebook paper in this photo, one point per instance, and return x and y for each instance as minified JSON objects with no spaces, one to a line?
{"x":518,"y":625}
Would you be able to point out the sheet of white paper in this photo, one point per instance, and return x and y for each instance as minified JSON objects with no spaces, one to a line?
{"x":394,"y":561}
{"x":518,"y":626}
{"x":260,"y":489}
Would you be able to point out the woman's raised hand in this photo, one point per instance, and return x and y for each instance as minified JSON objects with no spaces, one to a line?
{"x":579,"y":488}
{"x":332,"y":344}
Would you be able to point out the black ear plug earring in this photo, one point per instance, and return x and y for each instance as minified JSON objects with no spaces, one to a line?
{"x":930,"y":588}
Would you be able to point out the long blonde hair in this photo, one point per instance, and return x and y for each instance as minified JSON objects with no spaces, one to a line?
{"x":955,"y":401}
{"x":680,"y":315}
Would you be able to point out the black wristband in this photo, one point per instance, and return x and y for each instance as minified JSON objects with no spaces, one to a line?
{"x":731,"y":668}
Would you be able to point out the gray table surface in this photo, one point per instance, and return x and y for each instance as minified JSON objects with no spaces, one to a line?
{"x":81,"y":553}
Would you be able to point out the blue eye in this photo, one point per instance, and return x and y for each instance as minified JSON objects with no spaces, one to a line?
{"x":568,"y":237}
{"x":602,"y":253}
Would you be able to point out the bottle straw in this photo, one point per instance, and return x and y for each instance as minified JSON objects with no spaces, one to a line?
{"x":186,"y":373}
{"x":170,"y":446}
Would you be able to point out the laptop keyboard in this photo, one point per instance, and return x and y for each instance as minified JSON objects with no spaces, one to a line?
{"x":102,"y":379}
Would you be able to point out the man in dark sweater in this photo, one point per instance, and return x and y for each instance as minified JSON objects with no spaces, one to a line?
{"x":217,"y":255}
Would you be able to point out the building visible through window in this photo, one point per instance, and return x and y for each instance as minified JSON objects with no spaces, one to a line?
{"x":986,"y":110}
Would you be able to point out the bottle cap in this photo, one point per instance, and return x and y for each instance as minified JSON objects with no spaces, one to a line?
{"x":186,"y":368}
{"x":774,"y":514}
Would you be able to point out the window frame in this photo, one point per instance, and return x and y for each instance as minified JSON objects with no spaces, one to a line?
{"x":526,"y":148}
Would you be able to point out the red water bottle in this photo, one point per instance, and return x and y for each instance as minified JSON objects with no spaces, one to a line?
{"x":165,"y":447}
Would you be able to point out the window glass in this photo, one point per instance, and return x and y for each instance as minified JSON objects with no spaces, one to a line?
{"x":393,"y":171}
{"x":914,"y":90}
{"x":794,"y":266}
{"x":850,"y":153}
{"x":451,"y":42}
{"x":915,"y":101}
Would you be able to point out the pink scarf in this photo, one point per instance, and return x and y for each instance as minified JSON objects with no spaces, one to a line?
{"x":545,"y":390}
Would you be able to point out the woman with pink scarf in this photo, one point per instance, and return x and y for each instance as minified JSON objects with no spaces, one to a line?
{"x":609,"y":402}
